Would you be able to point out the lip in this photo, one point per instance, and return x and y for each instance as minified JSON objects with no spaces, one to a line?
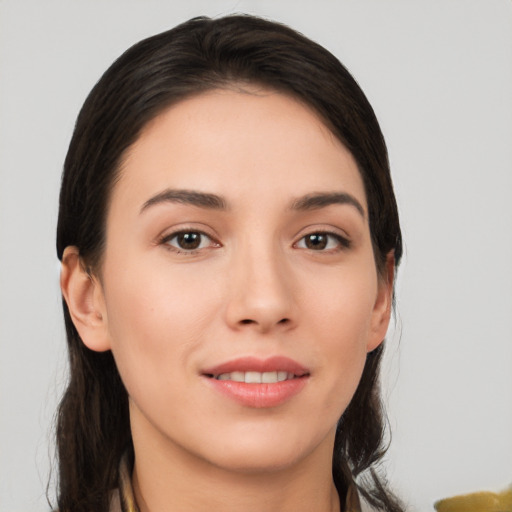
{"x":254,"y":364}
{"x":258,"y":395}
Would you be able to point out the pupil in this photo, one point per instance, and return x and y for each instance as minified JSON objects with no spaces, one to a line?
{"x":316,"y":241}
{"x":189,"y":240}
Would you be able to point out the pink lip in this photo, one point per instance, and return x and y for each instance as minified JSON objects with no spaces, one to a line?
{"x":253,"y":364}
{"x":258,"y":395}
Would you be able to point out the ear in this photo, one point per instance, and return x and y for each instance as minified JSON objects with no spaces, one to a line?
{"x":383,"y":304}
{"x":84,"y":297}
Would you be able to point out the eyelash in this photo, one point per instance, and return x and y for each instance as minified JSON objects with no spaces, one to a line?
{"x":165,"y":240}
{"x":340,"y":241}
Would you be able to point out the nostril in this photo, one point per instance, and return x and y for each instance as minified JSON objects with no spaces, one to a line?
{"x":247,"y":321}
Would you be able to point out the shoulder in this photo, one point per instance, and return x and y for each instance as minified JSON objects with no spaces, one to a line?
{"x":115,"y":502}
{"x":365,"y":506}
{"x":355,"y":502}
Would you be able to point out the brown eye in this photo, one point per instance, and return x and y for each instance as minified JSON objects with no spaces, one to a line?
{"x":188,"y":240}
{"x":316,"y":241}
{"x":323,"y":242}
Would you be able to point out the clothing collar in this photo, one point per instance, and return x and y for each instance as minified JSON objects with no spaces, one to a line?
{"x":125,"y":501}
{"x":126,"y":497}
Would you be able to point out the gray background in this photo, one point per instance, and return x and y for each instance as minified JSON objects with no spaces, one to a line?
{"x":439,"y":74}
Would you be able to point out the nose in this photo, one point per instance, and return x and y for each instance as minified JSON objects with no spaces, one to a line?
{"x":261,"y":292}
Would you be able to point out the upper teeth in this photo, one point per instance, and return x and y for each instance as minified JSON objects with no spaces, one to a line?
{"x":256,"y":377}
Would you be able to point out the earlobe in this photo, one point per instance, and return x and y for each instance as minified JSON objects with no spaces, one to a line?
{"x":383,"y":305}
{"x":84,"y":297}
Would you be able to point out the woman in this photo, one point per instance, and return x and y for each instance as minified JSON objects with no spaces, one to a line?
{"x":229,"y":238}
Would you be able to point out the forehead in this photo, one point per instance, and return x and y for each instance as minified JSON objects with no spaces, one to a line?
{"x":239,"y":142}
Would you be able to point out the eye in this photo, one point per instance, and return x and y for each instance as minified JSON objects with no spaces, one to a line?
{"x":322,"y":242}
{"x":188,"y":241}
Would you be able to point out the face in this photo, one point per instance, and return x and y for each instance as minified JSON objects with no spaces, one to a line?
{"x":239,"y":293}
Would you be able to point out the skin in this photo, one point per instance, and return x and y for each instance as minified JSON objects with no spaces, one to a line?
{"x":255,"y":286}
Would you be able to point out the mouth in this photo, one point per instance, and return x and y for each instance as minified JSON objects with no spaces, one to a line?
{"x":253,"y":377}
{"x":253,"y":370}
{"x":258,"y":383}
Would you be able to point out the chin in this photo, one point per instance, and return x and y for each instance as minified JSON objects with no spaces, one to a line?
{"x":256,"y":461}
{"x":267,"y":452}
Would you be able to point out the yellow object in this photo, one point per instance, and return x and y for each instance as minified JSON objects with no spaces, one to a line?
{"x":477,"y":502}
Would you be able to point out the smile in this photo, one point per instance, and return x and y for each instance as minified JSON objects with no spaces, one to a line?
{"x":258,"y":383}
{"x":256,"y":377}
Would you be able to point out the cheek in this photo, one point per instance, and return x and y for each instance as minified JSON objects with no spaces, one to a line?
{"x":341,"y":303}
{"x":155,"y":319}
{"x":340,"y":318}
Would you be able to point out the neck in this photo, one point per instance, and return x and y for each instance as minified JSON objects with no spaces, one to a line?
{"x":272,"y":493}
{"x":166,"y":477}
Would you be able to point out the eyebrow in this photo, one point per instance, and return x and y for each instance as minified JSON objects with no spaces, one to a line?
{"x":314,"y":201}
{"x":190,"y":197}
{"x":321,"y":200}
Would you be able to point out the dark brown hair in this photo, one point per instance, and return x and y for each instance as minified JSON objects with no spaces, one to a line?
{"x":93,"y":429}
